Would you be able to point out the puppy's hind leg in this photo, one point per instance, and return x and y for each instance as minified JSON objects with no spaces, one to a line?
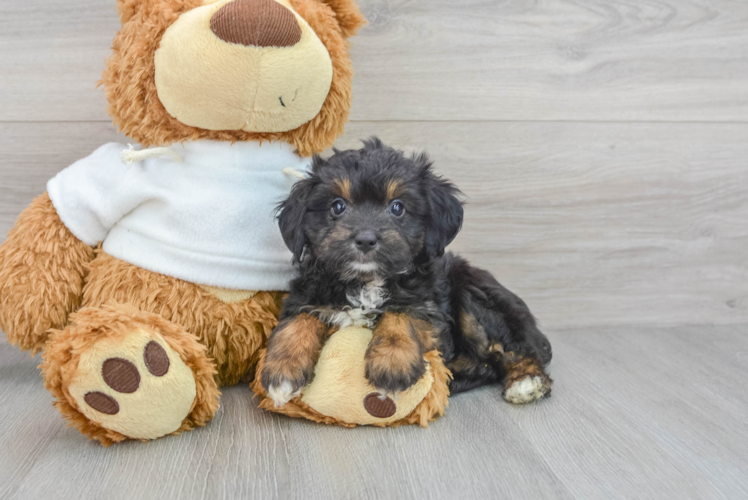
{"x":497,"y":328}
{"x":470,"y":372}
{"x":526,"y":381}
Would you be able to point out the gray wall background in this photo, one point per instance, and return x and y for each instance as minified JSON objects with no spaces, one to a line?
{"x":603,"y":148}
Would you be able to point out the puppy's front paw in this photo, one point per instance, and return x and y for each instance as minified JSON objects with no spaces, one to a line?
{"x":392,"y":369}
{"x":283,"y":393}
{"x":283,"y":381}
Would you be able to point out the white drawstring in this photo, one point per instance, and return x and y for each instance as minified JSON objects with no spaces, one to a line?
{"x":292,"y":172}
{"x":130,"y":156}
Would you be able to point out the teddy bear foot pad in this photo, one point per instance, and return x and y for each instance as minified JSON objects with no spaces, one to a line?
{"x":127,"y":379}
{"x":139,"y":387}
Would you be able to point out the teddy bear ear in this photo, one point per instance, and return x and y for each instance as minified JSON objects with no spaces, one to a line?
{"x":348,"y":15}
{"x":128,"y":8}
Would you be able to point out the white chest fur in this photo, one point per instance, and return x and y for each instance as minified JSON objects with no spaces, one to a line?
{"x":363,"y":308}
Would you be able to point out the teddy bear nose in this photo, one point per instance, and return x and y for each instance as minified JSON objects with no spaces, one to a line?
{"x":256,"y":23}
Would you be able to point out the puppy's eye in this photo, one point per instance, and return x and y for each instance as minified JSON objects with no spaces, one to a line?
{"x":397,"y":208}
{"x":338,"y":207}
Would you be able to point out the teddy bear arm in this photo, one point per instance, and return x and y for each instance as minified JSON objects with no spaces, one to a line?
{"x":42,"y":266}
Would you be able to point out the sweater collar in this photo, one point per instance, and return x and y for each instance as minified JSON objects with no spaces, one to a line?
{"x":249,"y":155}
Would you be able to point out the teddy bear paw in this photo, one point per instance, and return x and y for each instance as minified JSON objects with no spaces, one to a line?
{"x":139,"y":387}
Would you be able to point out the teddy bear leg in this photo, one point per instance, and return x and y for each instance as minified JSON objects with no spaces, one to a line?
{"x":526,"y":380}
{"x":119,"y":373}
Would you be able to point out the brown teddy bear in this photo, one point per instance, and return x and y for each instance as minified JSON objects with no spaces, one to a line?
{"x":150,"y":277}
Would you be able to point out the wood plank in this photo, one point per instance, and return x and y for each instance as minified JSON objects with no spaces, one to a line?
{"x":637,"y":412}
{"x":52,"y":54}
{"x":591,"y":223}
{"x":26,"y":428}
{"x":248,"y":453}
{"x":649,"y":413}
{"x":630,"y":60}
{"x":444,"y":60}
{"x":32,"y":153}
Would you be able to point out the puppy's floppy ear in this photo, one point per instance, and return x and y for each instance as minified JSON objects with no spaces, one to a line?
{"x":291,"y":214}
{"x":445,"y":209}
{"x":347,"y":14}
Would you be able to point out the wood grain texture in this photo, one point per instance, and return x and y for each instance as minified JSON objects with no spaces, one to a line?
{"x":602,"y":223}
{"x":636,"y":413}
{"x":599,"y":187}
{"x":444,"y":60}
{"x":32,"y":153}
{"x":563,"y":60}
{"x":52,"y":54}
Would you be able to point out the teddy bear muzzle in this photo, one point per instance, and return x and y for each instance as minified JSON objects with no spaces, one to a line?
{"x":264,"y":67}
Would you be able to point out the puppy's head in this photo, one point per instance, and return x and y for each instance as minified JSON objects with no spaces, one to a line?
{"x":372,"y":210}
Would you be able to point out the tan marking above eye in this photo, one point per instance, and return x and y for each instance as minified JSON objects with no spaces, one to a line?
{"x":343,"y":188}
{"x":393,"y":189}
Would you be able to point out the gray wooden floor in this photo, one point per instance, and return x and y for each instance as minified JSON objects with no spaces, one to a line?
{"x":603,"y":150}
{"x":636,"y":412}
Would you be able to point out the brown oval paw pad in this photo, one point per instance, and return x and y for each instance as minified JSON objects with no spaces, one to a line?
{"x":156,"y":359}
{"x":121,"y":375}
{"x":102,"y":402}
{"x":378,"y":407}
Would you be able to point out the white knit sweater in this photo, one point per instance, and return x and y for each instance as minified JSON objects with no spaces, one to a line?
{"x":208,"y":220}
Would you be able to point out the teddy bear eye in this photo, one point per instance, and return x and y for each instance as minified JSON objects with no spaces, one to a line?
{"x":397,"y":208}
{"x":338,"y":207}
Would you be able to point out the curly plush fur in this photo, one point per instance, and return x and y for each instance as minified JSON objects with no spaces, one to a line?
{"x":232,"y":333}
{"x":133,"y":97}
{"x":42,"y":266}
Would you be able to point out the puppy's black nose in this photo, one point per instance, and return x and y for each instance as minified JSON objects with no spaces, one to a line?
{"x":366,"y":241}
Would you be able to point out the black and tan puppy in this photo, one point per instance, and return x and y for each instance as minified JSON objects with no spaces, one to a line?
{"x":368,"y":230}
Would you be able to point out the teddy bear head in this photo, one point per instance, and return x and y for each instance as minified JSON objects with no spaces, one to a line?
{"x":232,"y":70}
